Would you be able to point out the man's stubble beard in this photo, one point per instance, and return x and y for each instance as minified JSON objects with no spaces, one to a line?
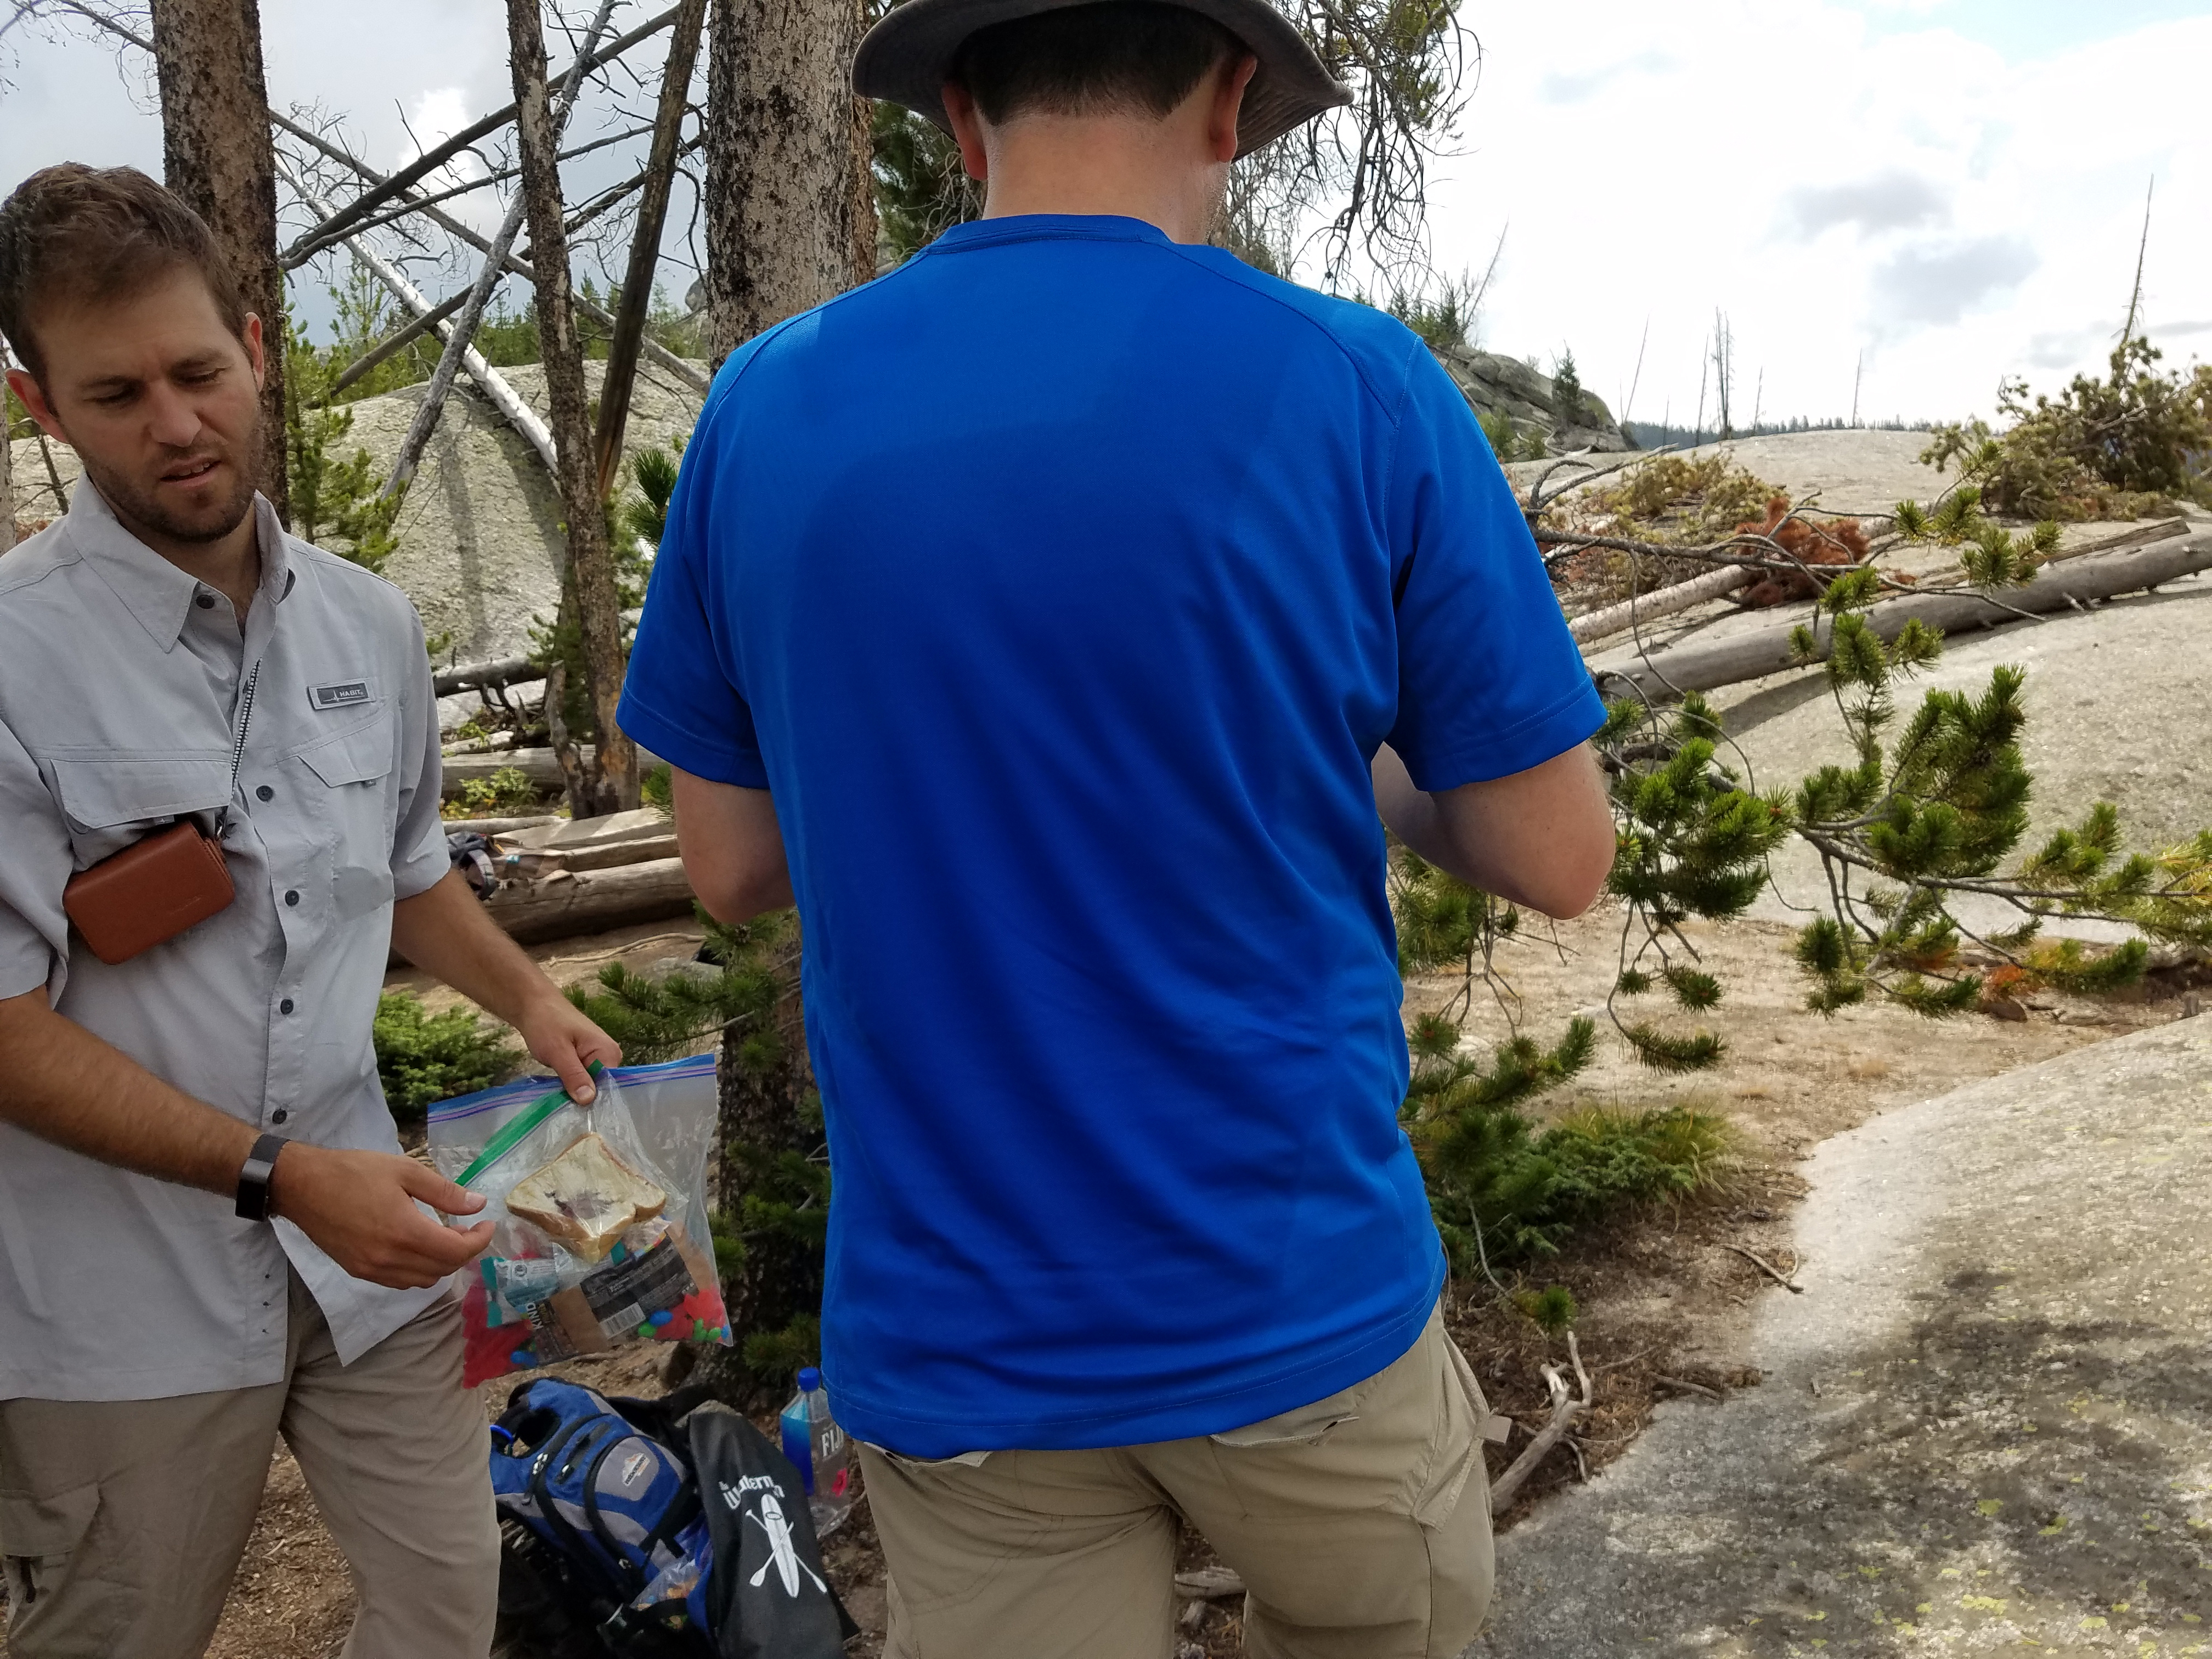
{"x":141,"y":508}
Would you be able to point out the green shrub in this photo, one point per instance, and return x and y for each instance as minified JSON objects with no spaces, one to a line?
{"x":1509,"y":440}
{"x":1551,"y":1308}
{"x":1505,"y":1190}
{"x":2121,"y":448}
{"x":423,"y":1057}
{"x":508,"y":793}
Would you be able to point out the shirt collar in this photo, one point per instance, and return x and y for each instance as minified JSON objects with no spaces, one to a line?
{"x":155,"y":592}
{"x":1049,"y":226}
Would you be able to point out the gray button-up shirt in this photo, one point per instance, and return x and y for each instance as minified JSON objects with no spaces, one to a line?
{"x":121,"y":684}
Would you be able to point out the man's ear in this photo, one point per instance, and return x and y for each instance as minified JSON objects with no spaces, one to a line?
{"x":33,"y":399}
{"x":1228,"y":105}
{"x":250,"y":338}
{"x":967,"y":129}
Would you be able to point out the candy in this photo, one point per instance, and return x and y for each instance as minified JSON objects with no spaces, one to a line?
{"x":660,"y":1318}
{"x":523,"y":1358}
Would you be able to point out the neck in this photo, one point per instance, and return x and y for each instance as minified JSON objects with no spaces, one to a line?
{"x":231,"y":565}
{"x":1108,"y":164}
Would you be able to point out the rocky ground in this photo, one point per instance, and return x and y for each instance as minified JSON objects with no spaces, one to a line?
{"x":1985,"y":1425}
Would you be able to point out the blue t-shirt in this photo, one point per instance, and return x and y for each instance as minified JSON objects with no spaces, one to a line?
{"x":1060,"y":585}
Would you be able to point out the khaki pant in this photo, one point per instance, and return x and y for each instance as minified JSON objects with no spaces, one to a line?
{"x":122,"y":1522}
{"x":1360,"y":1525}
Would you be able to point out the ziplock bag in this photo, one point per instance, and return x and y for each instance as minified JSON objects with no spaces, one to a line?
{"x":586,"y":1275}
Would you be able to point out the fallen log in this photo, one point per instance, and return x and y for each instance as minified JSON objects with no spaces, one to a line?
{"x":535,"y":764}
{"x":1660,"y":602}
{"x":2076,"y":582}
{"x":468,"y":676}
{"x":499,"y":826}
{"x":593,"y":902}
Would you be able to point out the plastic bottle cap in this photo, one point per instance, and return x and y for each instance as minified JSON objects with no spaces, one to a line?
{"x":809,"y":1379}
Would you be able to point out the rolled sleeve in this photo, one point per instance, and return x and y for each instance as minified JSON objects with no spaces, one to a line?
{"x":680,"y":699}
{"x":1490,"y":680}
{"x":419,"y":859}
{"x":35,"y":864}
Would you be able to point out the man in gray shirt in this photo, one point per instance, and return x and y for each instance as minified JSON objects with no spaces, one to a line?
{"x":208,"y":1235}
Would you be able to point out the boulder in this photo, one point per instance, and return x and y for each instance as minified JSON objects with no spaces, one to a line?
{"x":480,"y":532}
{"x":1496,"y":385}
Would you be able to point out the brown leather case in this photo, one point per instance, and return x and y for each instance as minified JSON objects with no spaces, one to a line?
{"x":149,"y":892}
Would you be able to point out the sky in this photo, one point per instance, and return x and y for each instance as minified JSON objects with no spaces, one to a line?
{"x":1928,"y":195}
{"x":1925,"y":197}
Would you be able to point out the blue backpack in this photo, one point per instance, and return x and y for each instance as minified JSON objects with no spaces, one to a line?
{"x":615,"y":1506}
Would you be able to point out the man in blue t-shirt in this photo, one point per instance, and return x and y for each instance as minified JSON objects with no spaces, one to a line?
{"x":1049,"y":620}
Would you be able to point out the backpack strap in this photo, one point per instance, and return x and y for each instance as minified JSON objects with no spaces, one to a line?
{"x":572,"y":1541}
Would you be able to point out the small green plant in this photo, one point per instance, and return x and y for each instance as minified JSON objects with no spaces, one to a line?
{"x":423,"y":1058}
{"x":1687,"y":500}
{"x":1504,"y":1189}
{"x":508,"y":793}
{"x":657,"y":788}
{"x":1551,"y":1309}
{"x":658,"y":1019}
{"x":1510,"y":440}
{"x":334,"y":501}
{"x":1567,"y":388}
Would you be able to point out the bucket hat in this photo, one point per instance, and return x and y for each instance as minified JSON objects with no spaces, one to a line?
{"x":908,"y":57}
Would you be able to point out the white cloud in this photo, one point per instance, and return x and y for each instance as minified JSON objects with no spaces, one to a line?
{"x":1839,"y":177}
{"x":1893,"y":200}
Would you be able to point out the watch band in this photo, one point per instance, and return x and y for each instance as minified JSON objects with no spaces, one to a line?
{"x":253,"y":1179}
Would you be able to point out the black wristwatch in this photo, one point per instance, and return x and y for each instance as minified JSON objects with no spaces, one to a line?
{"x":253,"y":1179}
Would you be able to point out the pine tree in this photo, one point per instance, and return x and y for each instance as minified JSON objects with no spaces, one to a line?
{"x":334,"y":501}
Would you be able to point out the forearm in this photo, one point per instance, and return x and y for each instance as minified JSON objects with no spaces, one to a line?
{"x":732,"y":848}
{"x":64,"y":1085}
{"x":444,"y":931}
{"x":1542,"y":838}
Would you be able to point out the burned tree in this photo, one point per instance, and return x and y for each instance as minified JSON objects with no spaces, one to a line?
{"x":216,"y":155}
{"x":790,"y":219}
{"x":609,"y":783}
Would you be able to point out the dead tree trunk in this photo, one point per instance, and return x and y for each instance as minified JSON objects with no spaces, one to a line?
{"x":215,"y":155}
{"x":789,"y":223}
{"x":644,"y":242}
{"x":7,"y":471}
{"x":612,"y":783}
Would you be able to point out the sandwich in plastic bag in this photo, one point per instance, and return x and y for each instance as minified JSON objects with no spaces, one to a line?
{"x":600,"y":1232}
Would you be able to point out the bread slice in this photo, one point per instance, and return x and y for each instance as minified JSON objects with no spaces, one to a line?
{"x":585,"y":1199}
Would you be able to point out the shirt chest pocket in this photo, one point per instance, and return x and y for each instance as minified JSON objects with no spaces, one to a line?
{"x":113,"y":802}
{"x":352,"y":808}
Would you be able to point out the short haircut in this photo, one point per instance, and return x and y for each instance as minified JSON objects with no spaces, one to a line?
{"x":1123,"y":56}
{"x":94,"y":235}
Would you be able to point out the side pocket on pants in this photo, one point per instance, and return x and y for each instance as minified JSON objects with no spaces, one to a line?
{"x":1459,"y":1441}
{"x":38,"y":1535}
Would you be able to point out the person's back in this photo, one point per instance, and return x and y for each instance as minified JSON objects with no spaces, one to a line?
{"x":1063,"y":566}
{"x":1059,"y":589}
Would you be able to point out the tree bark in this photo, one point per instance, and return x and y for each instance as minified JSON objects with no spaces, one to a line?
{"x":644,"y":242}
{"x":790,"y":223}
{"x":217,"y":156}
{"x":591,"y":564}
{"x":6,"y":474}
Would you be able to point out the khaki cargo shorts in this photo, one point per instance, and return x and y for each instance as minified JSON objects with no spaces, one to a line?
{"x":1360,"y":1525}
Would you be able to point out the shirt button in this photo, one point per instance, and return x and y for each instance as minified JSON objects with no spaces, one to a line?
{"x":206,"y":601}
{"x":292,"y":895}
{"x":285,"y":1006}
{"x":265,"y":793}
{"x":279,"y":1115}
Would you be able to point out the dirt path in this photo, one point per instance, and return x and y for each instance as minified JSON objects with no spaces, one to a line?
{"x":1661,"y":1294}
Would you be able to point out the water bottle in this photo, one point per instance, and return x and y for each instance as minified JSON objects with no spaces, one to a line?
{"x":818,"y":1449}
